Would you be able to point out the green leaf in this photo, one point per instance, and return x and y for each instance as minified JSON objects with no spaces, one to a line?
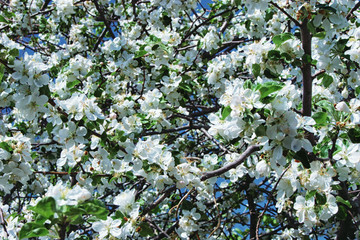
{"x":6,"y":147}
{"x":96,"y":208}
{"x":260,"y":131}
{"x":320,"y":35}
{"x":320,"y":198}
{"x":336,"y":187}
{"x":14,"y":52}
{"x":2,"y":71}
{"x":248,"y":84}
{"x":320,"y":117}
{"x":118,"y":215}
{"x":342,"y":213}
{"x":2,"y":19}
{"x":354,"y":135}
{"x":326,"y":106}
{"x":225,"y":112}
{"x":326,"y":7}
{"x":145,"y":230}
{"x":256,"y":70}
{"x":72,"y":84}
{"x":307,"y":58}
{"x":327,"y":80}
{"x":49,"y":128}
{"x":185,"y":86}
{"x":269,"y":87}
{"x":286,"y":57}
{"x":140,"y":53}
{"x":269,"y":74}
{"x":274,"y":55}
{"x":343,"y":201}
{"x":311,"y":27}
{"x":33,"y":230}
{"x":46,"y":207}
{"x":45,"y":90}
{"x":269,"y":14}
{"x":302,"y":156}
{"x":279,"y":39}
{"x":268,"y":99}
{"x":310,"y":194}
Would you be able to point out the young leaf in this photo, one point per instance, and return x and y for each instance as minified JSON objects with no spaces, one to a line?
{"x":279,"y":39}
{"x":256,"y":70}
{"x":2,"y":19}
{"x":269,"y":87}
{"x":320,"y":117}
{"x":260,"y":130}
{"x":343,"y":201}
{"x":6,"y":147}
{"x":274,"y":55}
{"x":320,"y":198}
{"x":31,"y":229}
{"x":303,"y":158}
{"x":45,"y":207}
{"x":354,"y":135}
{"x":96,"y":208}
{"x":2,"y":71}
{"x":327,"y":80}
{"x":225,"y":112}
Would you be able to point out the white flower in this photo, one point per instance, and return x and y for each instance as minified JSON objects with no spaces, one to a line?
{"x":79,"y":194}
{"x":211,"y":40}
{"x":330,"y":208}
{"x":343,"y":107}
{"x":262,"y":168}
{"x":108,"y":227}
{"x":305,"y":210}
{"x":125,"y":201}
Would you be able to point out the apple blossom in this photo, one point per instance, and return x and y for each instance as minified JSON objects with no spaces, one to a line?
{"x":170,"y":119}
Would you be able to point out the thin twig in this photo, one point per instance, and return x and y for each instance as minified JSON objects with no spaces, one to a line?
{"x":214,"y":141}
{"x":166,"y":193}
{"x":3,"y":222}
{"x":149,"y":220}
{"x":102,"y":16}
{"x":352,"y":10}
{"x":268,"y":202}
{"x":102,"y":35}
{"x":219,"y":220}
{"x":297,"y":23}
{"x":250,"y":150}
{"x":177,"y":206}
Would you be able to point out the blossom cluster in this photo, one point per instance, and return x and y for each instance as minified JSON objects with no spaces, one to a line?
{"x":179,"y":119}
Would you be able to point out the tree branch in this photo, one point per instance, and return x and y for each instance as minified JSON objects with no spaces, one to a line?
{"x":252,"y":208}
{"x":250,"y":150}
{"x":188,"y":127}
{"x":158,"y":201}
{"x":102,"y":35}
{"x":268,"y":202}
{"x":43,"y":7}
{"x":352,"y":10}
{"x":102,"y":16}
{"x":215,"y":141}
{"x":307,"y":77}
{"x":297,"y":23}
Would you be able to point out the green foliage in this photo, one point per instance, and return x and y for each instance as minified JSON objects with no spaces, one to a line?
{"x":268,"y":88}
{"x":33,"y":230}
{"x":225,"y":112}
{"x":320,"y":118}
{"x":6,"y":147}
{"x":59,"y":216}
{"x":46,"y":207}
{"x":279,"y":39}
{"x":354,"y":135}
